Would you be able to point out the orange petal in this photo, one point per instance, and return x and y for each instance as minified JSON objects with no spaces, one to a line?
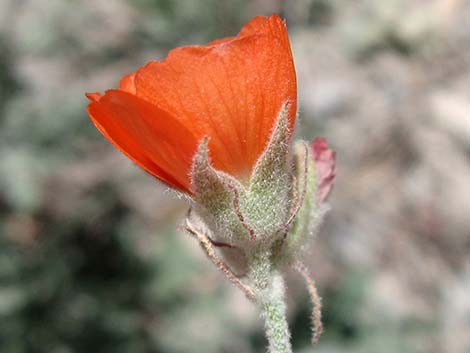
{"x":127,"y":83}
{"x":230,"y":90}
{"x":93,"y":97}
{"x":152,"y":138}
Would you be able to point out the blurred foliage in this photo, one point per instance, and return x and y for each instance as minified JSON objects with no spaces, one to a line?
{"x":81,"y":269}
{"x":172,"y":20}
{"x":8,"y":83}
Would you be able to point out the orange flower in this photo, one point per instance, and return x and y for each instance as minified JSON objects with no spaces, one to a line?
{"x":230,"y":90}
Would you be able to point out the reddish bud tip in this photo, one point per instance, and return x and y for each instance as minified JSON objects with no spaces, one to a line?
{"x":325,"y":166}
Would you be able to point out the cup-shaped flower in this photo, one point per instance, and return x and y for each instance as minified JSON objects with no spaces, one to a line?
{"x":230,"y":91}
{"x":215,"y":122}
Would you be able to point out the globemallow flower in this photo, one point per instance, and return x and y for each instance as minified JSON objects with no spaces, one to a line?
{"x":214,"y":122}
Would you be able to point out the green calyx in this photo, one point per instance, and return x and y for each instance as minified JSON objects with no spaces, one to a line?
{"x":216,"y":195}
{"x":267,"y":200}
{"x":277,"y":211}
{"x":246,"y":215}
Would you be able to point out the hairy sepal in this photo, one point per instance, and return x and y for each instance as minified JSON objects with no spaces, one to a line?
{"x":214,"y":198}
{"x":266,"y":201}
{"x":311,"y":211}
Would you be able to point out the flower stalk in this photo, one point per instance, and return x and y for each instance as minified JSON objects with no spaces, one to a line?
{"x":268,"y":286}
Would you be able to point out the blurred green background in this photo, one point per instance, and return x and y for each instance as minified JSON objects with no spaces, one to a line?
{"x":90,"y":259}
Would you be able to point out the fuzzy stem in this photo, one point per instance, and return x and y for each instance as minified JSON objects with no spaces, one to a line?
{"x":269,"y":290}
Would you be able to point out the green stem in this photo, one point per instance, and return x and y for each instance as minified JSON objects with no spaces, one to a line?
{"x":269,"y":288}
